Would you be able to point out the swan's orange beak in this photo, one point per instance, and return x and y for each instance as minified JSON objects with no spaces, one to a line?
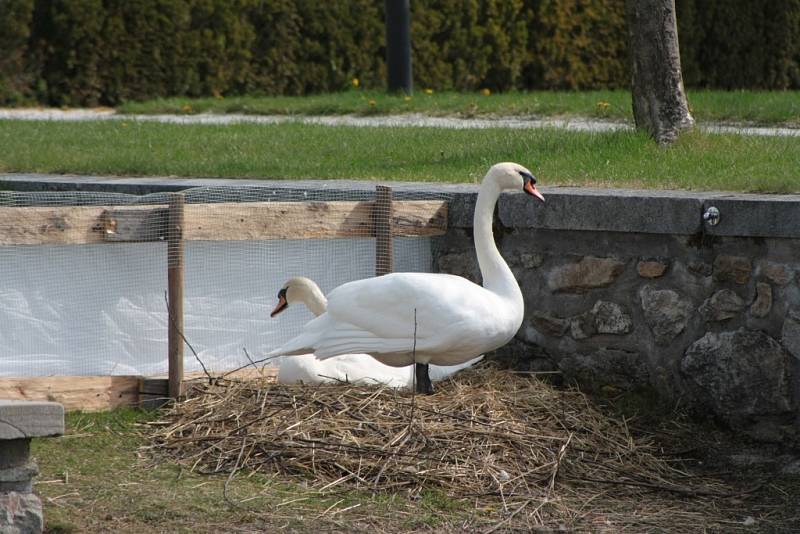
{"x":282,"y":304}
{"x":530,"y":188}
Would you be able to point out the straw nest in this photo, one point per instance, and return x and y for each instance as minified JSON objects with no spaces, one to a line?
{"x":542,"y":454}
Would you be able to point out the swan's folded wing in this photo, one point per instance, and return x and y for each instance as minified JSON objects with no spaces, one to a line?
{"x":326,"y":338}
{"x":385,"y":306}
{"x":346,"y":338}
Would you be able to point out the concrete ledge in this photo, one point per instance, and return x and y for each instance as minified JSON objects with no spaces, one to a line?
{"x":567,"y":208}
{"x":756,"y":215}
{"x":29,"y":419}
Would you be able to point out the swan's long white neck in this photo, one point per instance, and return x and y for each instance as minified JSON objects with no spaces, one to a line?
{"x":497,"y":276}
{"x":315,"y":300}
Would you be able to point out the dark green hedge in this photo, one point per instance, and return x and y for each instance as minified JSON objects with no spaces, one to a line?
{"x":87,"y":52}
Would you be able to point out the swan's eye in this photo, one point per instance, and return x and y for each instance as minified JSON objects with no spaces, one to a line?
{"x":528,"y":177}
{"x":282,"y":294}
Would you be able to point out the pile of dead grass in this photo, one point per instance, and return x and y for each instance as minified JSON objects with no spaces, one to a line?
{"x":542,"y":455}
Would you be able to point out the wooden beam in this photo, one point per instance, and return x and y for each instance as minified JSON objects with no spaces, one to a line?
{"x":56,"y":225}
{"x":100,"y":393}
{"x":175,"y":222}
{"x":159,"y":386}
{"x":77,"y":225}
{"x":88,"y":393}
{"x":135,"y":223}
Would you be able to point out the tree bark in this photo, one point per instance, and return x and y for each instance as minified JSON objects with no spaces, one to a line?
{"x":659,"y":100}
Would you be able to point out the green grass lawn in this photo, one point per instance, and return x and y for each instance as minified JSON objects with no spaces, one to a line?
{"x":96,"y":478}
{"x":290,"y":151}
{"x":760,"y":107}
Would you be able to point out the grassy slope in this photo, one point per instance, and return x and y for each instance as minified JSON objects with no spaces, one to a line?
{"x":697,"y":161}
{"x":762,"y":107}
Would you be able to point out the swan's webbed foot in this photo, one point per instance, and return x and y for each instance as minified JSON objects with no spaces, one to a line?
{"x":424,"y":385}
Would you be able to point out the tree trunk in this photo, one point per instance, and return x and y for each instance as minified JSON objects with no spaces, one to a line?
{"x":659,"y":100}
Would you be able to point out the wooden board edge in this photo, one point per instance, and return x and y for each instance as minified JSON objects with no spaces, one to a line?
{"x":98,"y":393}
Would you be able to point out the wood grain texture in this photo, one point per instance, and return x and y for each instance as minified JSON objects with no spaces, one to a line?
{"x":216,"y":222}
{"x":87,"y":393}
{"x":99,"y":393}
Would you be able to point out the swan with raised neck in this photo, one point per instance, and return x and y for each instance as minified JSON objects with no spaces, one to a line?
{"x":405,"y":318}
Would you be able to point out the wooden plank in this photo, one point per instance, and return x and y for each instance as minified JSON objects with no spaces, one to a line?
{"x":278,"y":220}
{"x":159,"y":386}
{"x":78,"y":225}
{"x":99,"y":393}
{"x":419,"y":218}
{"x":87,"y":393}
{"x":309,"y":220}
{"x":175,"y":293}
{"x":382,"y":217}
{"x":135,"y":223}
{"x":53,"y":225}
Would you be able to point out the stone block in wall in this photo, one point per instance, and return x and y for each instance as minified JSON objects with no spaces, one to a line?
{"x":666,"y":312}
{"x":588,"y":273}
{"x":520,"y":355}
{"x":735,"y":269}
{"x":604,"y":318}
{"x":605,"y":367}
{"x":651,"y":268}
{"x":581,"y":326}
{"x":790,"y":335}
{"x":722,"y":305}
{"x":762,"y":304}
{"x":549,"y":324}
{"x":738,"y":375}
{"x":700,"y":268}
{"x":610,"y":318}
{"x":777,"y":273}
{"x":460,"y":264}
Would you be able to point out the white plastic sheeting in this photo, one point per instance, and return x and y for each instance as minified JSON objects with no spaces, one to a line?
{"x":101,"y":310}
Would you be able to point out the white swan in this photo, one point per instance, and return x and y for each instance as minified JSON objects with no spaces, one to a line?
{"x":423,"y":318}
{"x":353,"y":368}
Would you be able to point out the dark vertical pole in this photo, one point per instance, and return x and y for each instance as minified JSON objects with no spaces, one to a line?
{"x":382,"y":217}
{"x":175,"y":224}
{"x":398,"y":46}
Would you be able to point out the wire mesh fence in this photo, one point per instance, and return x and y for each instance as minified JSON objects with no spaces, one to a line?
{"x":84,"y":275}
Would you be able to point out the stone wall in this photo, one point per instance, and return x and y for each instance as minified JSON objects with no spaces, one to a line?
{"x":628,"y":290}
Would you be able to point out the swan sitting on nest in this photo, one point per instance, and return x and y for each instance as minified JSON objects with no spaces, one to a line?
{"x":425,"y":318}
{"x":353,"y":368}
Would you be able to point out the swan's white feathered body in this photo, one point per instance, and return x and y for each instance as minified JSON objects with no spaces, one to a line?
{"x":456,"y":320}
{"x":356,"y":369}
{"x":352,"y":368}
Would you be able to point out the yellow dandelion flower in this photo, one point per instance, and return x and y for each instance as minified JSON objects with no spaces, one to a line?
{"x":407,"y":98}
{"x":186,"y":108}
{"x":486,"y":91}
{"x":602,"y":105}
{"x":372,"y":103}
{"x":428,"y":91}
{"x":356,"y":83}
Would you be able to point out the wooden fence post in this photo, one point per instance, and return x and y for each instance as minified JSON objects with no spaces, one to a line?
{"x":175,"y":227}
{"x":383,"y":216}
